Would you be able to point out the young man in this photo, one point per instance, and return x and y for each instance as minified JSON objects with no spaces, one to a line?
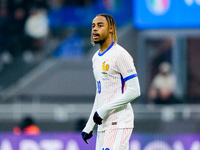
{"x":117,"y":85}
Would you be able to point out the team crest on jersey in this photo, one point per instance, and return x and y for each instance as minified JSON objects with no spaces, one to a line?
{"x":105,"y":67}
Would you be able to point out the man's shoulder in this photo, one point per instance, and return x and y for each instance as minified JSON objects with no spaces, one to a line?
{"x":119,"y":48}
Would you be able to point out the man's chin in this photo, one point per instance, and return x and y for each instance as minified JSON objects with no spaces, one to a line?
{"x":96,"y":42}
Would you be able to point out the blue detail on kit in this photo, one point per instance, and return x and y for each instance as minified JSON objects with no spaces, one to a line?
{"x":99,"y":86}
{"x":122,"y":81}
{"x":130,"y":77}
{"x":101,"y":54}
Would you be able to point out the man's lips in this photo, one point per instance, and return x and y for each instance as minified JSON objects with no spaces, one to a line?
{"x":95,"y":35}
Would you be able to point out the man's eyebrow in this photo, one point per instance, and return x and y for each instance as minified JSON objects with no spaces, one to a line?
{"x":99,"y":23}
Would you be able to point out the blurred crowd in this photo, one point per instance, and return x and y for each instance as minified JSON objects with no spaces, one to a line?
{"x":24,"y":28}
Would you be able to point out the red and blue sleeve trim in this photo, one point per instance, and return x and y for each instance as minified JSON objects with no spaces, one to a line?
{"x":130,"y":77}
{"x":123,"y":83}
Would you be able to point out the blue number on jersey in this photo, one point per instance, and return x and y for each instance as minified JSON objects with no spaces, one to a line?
{"x":99,"y":86}
{"x":105,"y":149}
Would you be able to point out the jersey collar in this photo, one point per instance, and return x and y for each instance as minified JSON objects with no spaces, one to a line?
{"x":101,"y":54}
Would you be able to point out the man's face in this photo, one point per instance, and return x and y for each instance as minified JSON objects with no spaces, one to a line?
{"x":100,"y":30}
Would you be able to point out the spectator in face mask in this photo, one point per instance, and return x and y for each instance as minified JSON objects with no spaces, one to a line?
{"x":163,"y":86}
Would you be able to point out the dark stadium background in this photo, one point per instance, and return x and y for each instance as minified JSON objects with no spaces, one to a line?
{"x":46,"y":72}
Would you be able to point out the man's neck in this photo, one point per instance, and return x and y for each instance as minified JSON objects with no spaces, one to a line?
{"x":104,"y":46}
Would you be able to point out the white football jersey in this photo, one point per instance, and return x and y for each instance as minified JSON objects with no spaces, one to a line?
{"x":112,"y":69}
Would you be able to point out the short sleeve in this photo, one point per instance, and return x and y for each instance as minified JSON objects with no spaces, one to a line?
{"x":125,"y":66}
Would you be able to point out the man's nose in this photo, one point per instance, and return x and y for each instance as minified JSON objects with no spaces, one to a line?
{"x":95,"y":28}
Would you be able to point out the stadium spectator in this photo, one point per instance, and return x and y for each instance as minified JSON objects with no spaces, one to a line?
{"x":15,"y":39}
{"x":5,"y":21}
{"x":163,"y":86}
{"x":55,"y":4}
{"x":27,"y":127}
{"x":36,"y":29}
{"x":16,"y":31}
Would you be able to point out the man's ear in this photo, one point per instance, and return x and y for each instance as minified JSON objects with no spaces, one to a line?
{"x":111,"y":29}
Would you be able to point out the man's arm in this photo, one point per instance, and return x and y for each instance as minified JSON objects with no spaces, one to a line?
{"x":87,"y":131}
{"x":132,"y":92}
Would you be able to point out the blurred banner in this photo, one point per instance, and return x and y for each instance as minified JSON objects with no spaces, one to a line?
{"x":79,"y":16}
{"x":148,"y":14}
{"x":73,"y":141}
{"x":71,"y":47}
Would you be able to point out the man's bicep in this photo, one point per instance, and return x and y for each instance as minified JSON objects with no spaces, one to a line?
{"x":126,"y":66}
